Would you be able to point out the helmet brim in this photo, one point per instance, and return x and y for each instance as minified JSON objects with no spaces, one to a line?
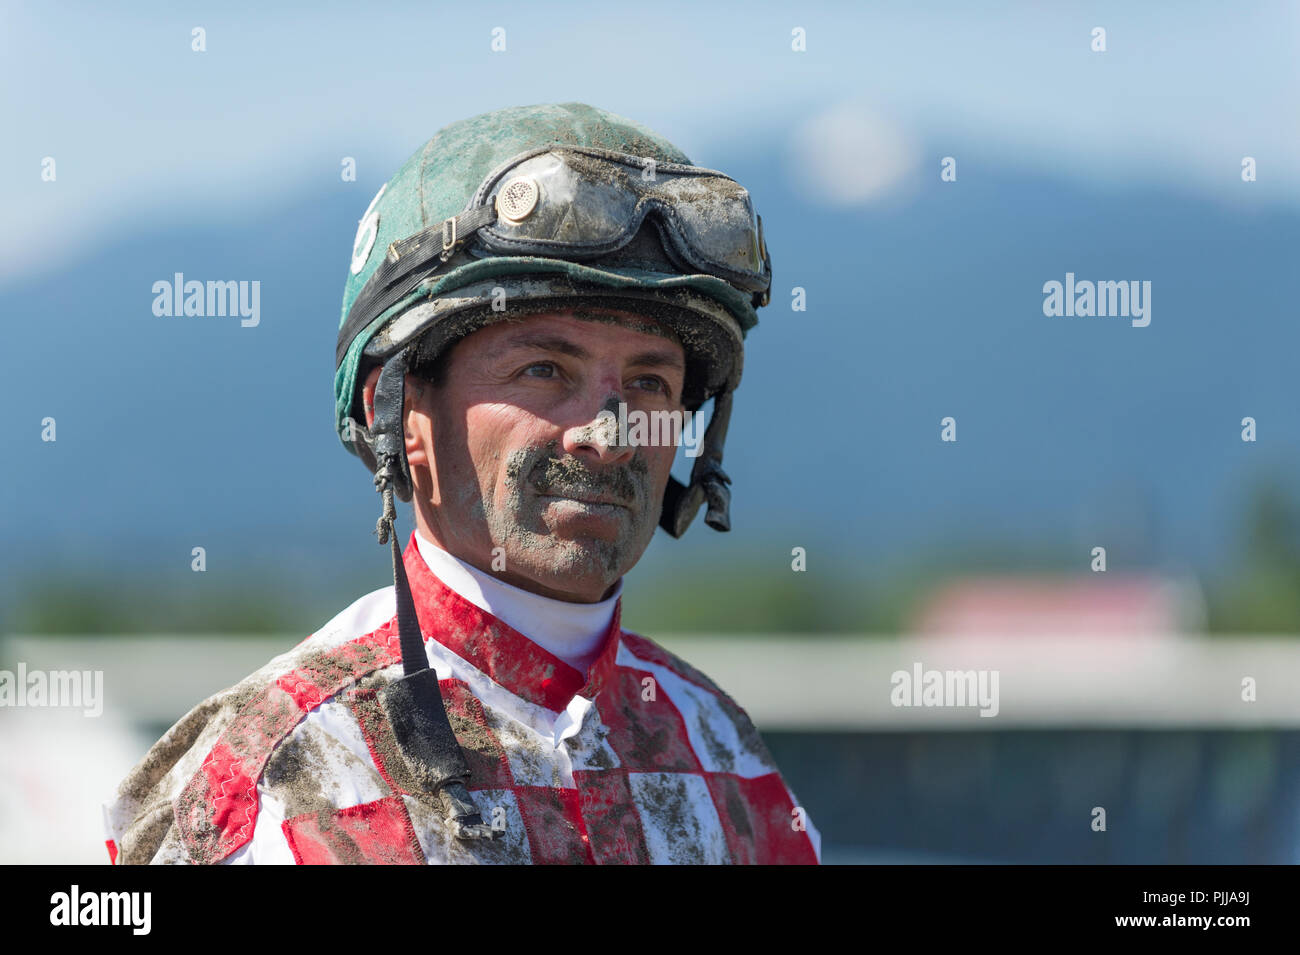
{"x":709,"y":333}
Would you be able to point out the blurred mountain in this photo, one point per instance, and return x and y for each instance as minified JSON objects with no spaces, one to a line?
{"x":1072,"y":432}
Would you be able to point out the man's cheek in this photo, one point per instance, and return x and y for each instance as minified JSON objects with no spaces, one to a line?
{"x":655,"y":470}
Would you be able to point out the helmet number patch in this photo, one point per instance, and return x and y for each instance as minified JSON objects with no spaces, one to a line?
{"x":367,"y":231}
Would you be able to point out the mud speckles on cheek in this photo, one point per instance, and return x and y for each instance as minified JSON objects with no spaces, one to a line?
{"x":540,"y":536}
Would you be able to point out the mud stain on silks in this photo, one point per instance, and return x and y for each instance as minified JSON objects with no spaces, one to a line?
{"x":674,"y":830}
{"x":312,"y":771}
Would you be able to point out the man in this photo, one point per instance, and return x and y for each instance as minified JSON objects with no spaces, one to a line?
{"x":531,"y":279}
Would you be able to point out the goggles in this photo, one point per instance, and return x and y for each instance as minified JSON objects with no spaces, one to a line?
{"x":580,"y":203}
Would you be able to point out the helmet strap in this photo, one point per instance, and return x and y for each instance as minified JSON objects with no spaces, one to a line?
{"x":414,"y":703}
{"x":388,"y":433}
{"x":708,"y":480}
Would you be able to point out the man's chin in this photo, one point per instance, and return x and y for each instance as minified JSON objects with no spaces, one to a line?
{"x":575,"y":566}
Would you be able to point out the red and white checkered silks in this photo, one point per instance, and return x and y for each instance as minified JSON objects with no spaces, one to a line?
{"x":644,"y":760}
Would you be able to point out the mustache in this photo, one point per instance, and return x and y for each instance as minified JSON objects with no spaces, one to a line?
{"x":567,"y":476}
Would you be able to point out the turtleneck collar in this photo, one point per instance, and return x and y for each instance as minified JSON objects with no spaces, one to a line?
{"x":572,"y":632}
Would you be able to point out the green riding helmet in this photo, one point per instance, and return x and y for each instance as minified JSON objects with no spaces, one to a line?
{"x":535,"y":208}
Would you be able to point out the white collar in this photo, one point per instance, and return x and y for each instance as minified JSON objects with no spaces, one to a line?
{"x":570,"y":631}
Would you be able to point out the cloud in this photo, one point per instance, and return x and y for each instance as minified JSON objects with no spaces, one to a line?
{"x":851,"y":154}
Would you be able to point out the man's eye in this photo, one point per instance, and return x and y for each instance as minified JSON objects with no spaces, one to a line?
{"x":541,"y":369}
{"x":652,"y":383}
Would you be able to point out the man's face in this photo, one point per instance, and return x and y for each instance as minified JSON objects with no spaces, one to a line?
{"x":514,"y":469}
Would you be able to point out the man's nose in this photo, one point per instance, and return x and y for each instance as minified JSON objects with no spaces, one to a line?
{"x":600,"y":437}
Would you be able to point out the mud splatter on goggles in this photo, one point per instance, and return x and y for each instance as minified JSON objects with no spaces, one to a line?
{"x":579,"y":204}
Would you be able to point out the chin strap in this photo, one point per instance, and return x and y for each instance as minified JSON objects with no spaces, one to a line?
{"x":708,"y":480}
{"x":414,"y":703}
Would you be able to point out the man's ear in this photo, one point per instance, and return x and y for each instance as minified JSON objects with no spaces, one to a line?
{"x":416,"y":421}
{"x":368,"y":395}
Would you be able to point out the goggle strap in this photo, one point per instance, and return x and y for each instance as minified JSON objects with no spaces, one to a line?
{"x":391,"y":282}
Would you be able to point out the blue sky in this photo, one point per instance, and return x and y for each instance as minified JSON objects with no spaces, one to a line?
{"x":924,"y":298}
{"x":146,"y":132}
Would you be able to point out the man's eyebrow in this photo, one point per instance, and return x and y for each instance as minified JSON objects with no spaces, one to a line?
{"x":557,"y":343}
{"x":546,"y":342}
{"x":659,"y":358}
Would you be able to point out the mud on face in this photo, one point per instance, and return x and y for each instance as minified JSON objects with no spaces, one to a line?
{"x":519,"y":524}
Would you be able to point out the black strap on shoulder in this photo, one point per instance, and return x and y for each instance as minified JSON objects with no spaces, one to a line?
{"x":413,"y":703}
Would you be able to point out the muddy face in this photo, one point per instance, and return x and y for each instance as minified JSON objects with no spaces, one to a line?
{"x":560,"y":516}
{"x":517,"y":468}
